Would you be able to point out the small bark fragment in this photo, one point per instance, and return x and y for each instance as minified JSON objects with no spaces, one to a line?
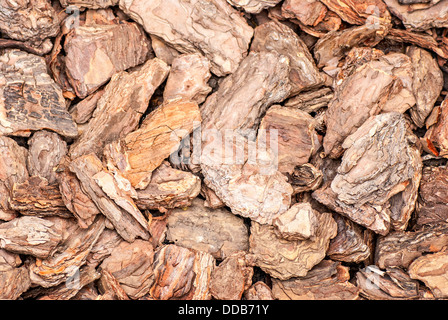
{"x":380,"y":161}
{"x":212,"y":28}
{"x":31,"y":21}
{"x":309,"y":12}
{"x":305,"y":178}
{"x":311,"y":101}
{"x":37,"y":197}
{"x":30,"y":99}
{"x":437,"y":135}
{"x":259,"y":291}
{"x":131,"y":265}
{"x":231,"y":277}
{"x":110,"y":287}
{"x":75,"y":199}
{"x":188,"y":79}
{"x":124,"y":221}
{"x":299,"y":222}
{"x":431,"y":269}
{"x":284,"y":259}
{"x":217,"y":231}
{"x":276,"y":36}
{"x":169,"y":188}
{"x":14,"y":279}
{"x":45,"y":151}
{"x":399,"y":249}
{"x":31,"y":235}
{"x":419,"y":20}
{"x":143,"y":150}
{"x":91,"y":4}
{"x":327,"y":280}
{"x":103,"y":247}
{"x":432,"y":206}
{"x":254,"y":6}
{"x":427,"y":83}
{"x":118,"y":111}
{"x":95,"y":52}
{"x":350,"y":243}
{"x":83,"y":110}
{"x":392,"y":284}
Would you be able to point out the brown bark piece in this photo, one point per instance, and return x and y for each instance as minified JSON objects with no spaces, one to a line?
{"x":327,"y":280}
{"x":300,"y":222}
{"x":360,"y":12}
{"x":380,"y":161}
{"x":231,"y":277}
{"x":14,"y":280}
{"x":169,"y":188}
{"x":254,"y":6}
{"x":309,"y":13}
{"x":217,"y":231}
{"x":103,"y":247}
{"x":233,"y":111}
{"x":203,"y":267}
{"x":29,"y":98}
{"x":173,"y":273}
{"x":427,"y":83}
{"x":212,"y":28}
{"x":131,"y":265}
{"x":436,"y":137}
{"x":399,"y":249}
{"x":124,"y":221}
{"x":13,"y":170}
{"x":37,"y":197}
{"x":95,"y":52}
{"x":31,"y":21}
{"x":83,"y":110}
{"x":188,"y":79}
{"x":391,"y":284}
{"x":305,"y":178}
{"x":211,"y":199}
{"x":91,"y":4}
{"x":162,"y":50}
{"x":46,"y":149}
{"x":335,"y":44}
{"x":420,"y":20}
{"x":259,"y":291}
{"x":75,"y":199}
{"x":120,"y":108}
{"x":110,"y":287}
{"x":366,"y":91}
{"x":284,"y":259}
{"x":432,"y":206}
{"x":297,"y":139}
{"x":143,"y":150}
{"x":31,"y":235}
{"x":276,"y":36}
{"x":311,"y":101}
{"x":350,"y":243}
{"x":431,"y":270}
{"x":66,"y":259}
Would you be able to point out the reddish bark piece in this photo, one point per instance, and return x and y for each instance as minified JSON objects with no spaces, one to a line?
{"x":254,"y":6}
{"x":140,"y":152}
{"x":120,"y":108}
{"x":95,"y":52}
{"x":327,"y":280}
{"x":212,"y":28}
{"x":216,"y":231}
{"x":231,"y":277}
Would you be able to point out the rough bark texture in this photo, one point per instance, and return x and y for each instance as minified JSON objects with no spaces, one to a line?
{"x":419,"y":20}
{"x":120,"y":211}
{"x":305,"y":178}
{"x":297,"y":139}
{"x":29,"y":98}
{"x":432,"y":206}
{"x":45,"y":151}
{"x":275,"y":36}
{"x":259,"y":291}
{"x":235,"y":108}
{"x":380,"y":161}
{"x":360,"y":12}
{"x":300,"y":222}
{"x":91,"y":4}
{"x":309,"y":13}
{"x":231,"y":278}
{"x":212,"y":28}
{"x":188,"y":79}
{"x":311,"y":101}
{"x":95,"y":52}
{"x":217,"y":231}
{"x":32,"y":21}
{"x":14,"y":279}
{"x":118,"y":111}
{"x":436,"y":137}
{"x":169,"y":188}
{"x":284,"y":259}
{"x":131,"y":265}
{"x":143,"y":150}
{"x":327,"y":280}
{"x":399,"y":249}
{"x":253,"y":6}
